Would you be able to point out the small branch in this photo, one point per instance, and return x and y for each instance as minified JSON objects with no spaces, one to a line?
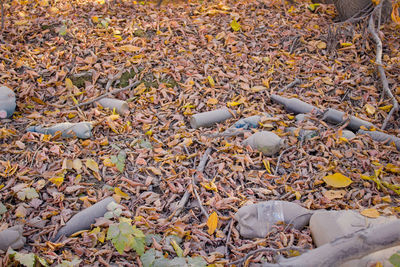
{"x":228,"y":237}
{"x":290,"y":85}
{"x":381,"y":70}
{"x":108,"y":94}
{"x":279,"y":159}
{"x":186,"y":196}
{"x":2,"y":16}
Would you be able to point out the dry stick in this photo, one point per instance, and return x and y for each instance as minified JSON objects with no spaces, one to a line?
{"x":290,"y":85}
{"x":186,"y":196}
{"x":378,"y":61}
{"x":228,"y":237}
{"x":280,"y":157}
{"x":108,"y":94}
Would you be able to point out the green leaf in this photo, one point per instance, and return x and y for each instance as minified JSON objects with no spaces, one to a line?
{"x":120,"y":243}
{"x":138,"y":232}
{"x":27,"y":260}
{"x":74,"y":263}
{"x":395,"y":259}
{"x":196,"y":262}
{"x":138,"y":245}
{"x":3,"y":209}
{"x":148,"y":258}
{"x":113,"y":231}
{"x":235,"y":25}
{"x":177,"y":248}
{"x":125,"y":228}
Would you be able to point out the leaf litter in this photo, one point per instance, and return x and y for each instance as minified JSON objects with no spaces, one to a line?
{"x":189,"y":58}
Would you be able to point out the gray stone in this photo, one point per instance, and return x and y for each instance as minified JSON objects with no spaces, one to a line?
{"x":12,"y":237}
{"x":7,"y":102}
{"x":266,"y":142}
{"x":348,"y":134}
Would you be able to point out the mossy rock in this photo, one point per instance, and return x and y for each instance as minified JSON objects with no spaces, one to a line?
{"x":79,"y":79}
{"x":125,"y":77}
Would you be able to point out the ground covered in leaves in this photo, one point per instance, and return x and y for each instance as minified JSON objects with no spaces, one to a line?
{"x":189,"y":58}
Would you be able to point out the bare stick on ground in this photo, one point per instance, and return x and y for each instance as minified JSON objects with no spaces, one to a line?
{"x":186,"y":196}
{"x":352,"y":246}
{"x":290,"y":85}
{"x":381,"y":70}
{"x":108,"y":94}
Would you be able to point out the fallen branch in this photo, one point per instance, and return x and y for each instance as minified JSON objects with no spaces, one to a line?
{"x":352,"y":246}
{"x":280,"y":157}
{"x":378,"y":62}
{"x":186,"y":196}
{"x":290,"y":85}
{"x":114,"y":78}
{"x":108,"y":94}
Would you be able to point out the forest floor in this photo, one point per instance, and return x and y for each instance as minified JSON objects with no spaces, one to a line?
{"x":189,"y":58}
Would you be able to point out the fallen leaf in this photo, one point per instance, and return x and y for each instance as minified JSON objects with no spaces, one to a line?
{"x":370,"y":213}
{"x":337,"y":180}
{"x":212,"y":223}
{"x":92,"y":165}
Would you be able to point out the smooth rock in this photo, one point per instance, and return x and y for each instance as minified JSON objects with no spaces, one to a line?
{"x":7,"y":102}
{"x":12,"y":237}
{"x":348,"y":134}
{"x":327,"y":226}
{"x":120,"y":106}
{"x":266,"y":142}
{"x":256,"y":220}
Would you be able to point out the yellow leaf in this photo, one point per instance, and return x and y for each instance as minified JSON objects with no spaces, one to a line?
{"x":313,"y":7}
{"x":267,"y":166}
{"x":345,"y":44}
{"x":57,"y":180}
{"x":370,"y":213}
{"x":233,"y":104}
{"x":211,"y":81}
{"x":337,"y":180}
{"x":212,"y":223}
{"x":258,"y":88}
{"x":321,"y":45}
{"x":235,"y":25}
{"x":39,"y":80}
{"x":210,"y":185}
{"x":120,"y":193}
{"x":68,"y":84}
{"x":140,"y":89}
{"x":178,"y":250}
{"x":95,"y":19}
{"x":395,"y":12}
{"x":212,"y":101}
{"x":392,"y":168}
{"x":370,"y":109}
{"x":129,"y":48}
{"x":108,"y":163}
{"x":386,"y":108}
{"x":91,"y":164}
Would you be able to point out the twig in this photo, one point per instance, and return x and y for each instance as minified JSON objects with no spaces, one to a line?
{"x":294,"y":44}
{"x":228,"y":237}
{"x":381,"y":70}
{"x":290,"y":85}
{"x":275,"y":250}
{"x":108,"y":94}
{"x":186,"y":196}
{"x":280,"y":157}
